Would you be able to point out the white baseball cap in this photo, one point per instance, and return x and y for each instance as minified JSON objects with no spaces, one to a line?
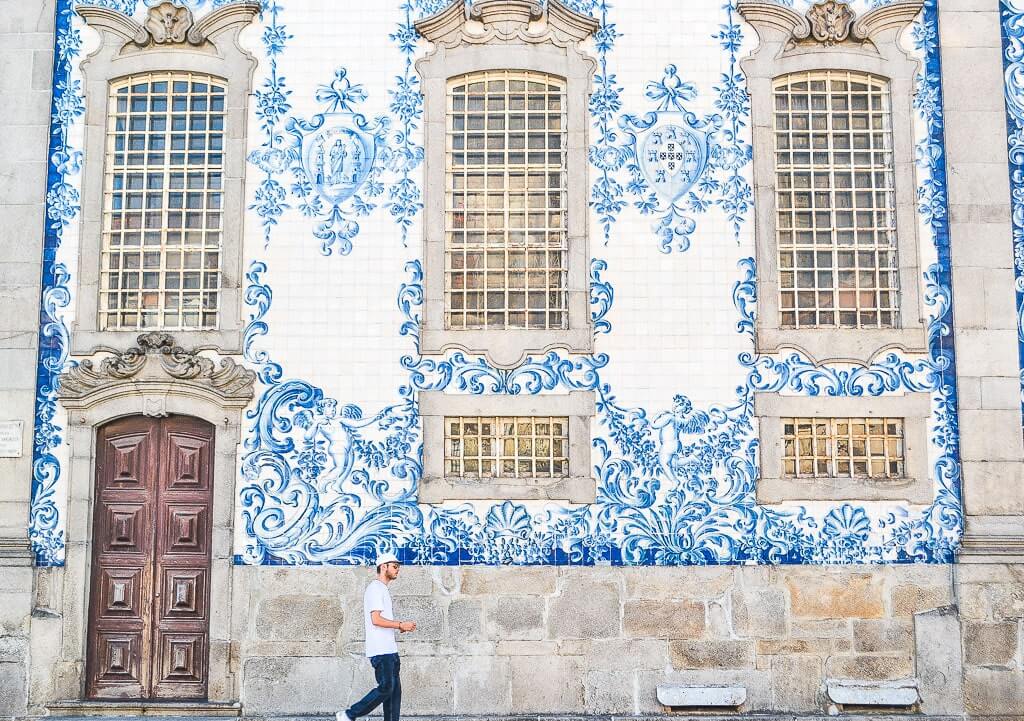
{"x":386,"y":558}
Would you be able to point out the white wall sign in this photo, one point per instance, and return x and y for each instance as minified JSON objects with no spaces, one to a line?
{"x":11,"y":438}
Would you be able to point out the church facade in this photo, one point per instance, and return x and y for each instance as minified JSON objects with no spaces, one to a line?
{"x":674,"y":348}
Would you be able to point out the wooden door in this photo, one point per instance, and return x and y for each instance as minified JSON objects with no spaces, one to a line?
{"x":149,"y":600}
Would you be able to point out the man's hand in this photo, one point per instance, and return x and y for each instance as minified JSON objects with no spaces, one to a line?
{"x":406,"y":626}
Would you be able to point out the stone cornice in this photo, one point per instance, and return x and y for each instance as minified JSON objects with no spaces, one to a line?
{"x":894,"y":16}
{"x":156,"y":365}
{"x":772,"y":16}
{"x":507,"y":20}
{"x":993,"y":539}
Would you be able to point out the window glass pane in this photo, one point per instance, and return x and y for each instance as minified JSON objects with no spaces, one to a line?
{"x":842,"y":447}
{"x":506,"y":447}
{"x":505,"y":229}
{"x":835,"y":203}
{"x":162,"y":195}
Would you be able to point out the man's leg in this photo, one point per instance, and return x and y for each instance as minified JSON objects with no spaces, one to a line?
{"x":376,"y":696}
{"x":393,"y":704}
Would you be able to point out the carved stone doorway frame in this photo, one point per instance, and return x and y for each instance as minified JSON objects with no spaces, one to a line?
{"x":154,"y":378}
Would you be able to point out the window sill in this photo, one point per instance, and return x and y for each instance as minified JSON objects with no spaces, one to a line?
{"x":507,"y":348}
{"x":911,"y":491}
{"x":87,"y":342}
{"x":574,"y":489}
{"x":857,"y":345}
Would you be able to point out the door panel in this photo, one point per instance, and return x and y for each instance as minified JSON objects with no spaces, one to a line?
{"x":150,"y":578}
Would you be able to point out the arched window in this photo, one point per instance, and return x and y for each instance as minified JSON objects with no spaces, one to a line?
{"x":835,"y":201}
{"x":836,"y":227}
{"x":163,"y":202}
{"x":506,"y":240}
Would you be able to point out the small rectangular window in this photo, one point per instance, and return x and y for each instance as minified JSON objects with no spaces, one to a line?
{"x":506,"y":447}
{"x":835,"y":201}
{"x":163,"y":203}
{"x":505,"y":216}
{"x":843,"y":448}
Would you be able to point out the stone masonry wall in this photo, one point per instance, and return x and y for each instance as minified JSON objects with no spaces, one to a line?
{"x":991,"y":603}
{"x":599,"y":640}
{"x":26,"y":56}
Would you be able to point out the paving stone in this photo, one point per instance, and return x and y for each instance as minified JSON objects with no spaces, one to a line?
{"x":870,"y":668}
{"x":990,"y":644}
{"x":590,"y":611}
{"x":882,"y":636}
{"x":546,"y":684}
{"x":759,"y":612}
{"x":712,"y":654}
{"x":663,"y":619}
{"x":511,"y":618}
{"x":796,"y":683}
{"x":299,"y":618}
{"x":850,"y":596}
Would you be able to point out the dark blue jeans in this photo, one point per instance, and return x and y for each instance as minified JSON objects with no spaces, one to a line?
{"x":388,"y":692}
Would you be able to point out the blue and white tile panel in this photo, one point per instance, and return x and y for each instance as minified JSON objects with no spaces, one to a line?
{"x":332,"y":457}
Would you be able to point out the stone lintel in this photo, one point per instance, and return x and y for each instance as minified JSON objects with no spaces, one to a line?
{"x":901,"y":692}
{"x":674,"y":696}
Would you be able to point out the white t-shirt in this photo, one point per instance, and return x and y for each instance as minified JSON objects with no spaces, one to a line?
{"x":378,"y":640}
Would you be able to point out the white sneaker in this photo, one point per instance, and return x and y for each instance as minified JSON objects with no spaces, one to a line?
{"x":342,"y":716}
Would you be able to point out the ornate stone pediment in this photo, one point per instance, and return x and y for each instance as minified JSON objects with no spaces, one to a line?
{"x":506,"y":21}
{"x":168,"y":24}
{"x":829,"y":23}
{"x":155,"y":367}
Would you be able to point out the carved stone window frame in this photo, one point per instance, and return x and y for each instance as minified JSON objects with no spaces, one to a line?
{"x":209,"y":46}
{"x":154,"y":377}
{"x":830,"y":37}
{"x":512,"y":35}
{"x":579,"y":487}
{"x":915,"y":410}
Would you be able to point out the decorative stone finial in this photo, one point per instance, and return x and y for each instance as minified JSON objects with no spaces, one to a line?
{"x":491,"y":12}
{"x":831,"y":21}
{"x":507,"y":21}
{"x":168,"y":23}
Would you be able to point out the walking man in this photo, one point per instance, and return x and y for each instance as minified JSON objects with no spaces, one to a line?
{"x":381,"y":648}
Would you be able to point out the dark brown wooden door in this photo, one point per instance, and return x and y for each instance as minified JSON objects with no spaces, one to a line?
{"x":149,"y":600}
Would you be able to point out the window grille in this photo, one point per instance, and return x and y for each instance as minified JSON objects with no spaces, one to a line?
{"x":163,"y":196}
{"x":843,"y":448}
{"x":505,"y":216}
{"x":507,"y":447}
{"x":836,"y":201}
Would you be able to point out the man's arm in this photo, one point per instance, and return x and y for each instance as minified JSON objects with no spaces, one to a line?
{"x":378,"y":620}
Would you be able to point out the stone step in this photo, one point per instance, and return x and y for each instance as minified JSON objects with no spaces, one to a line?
{"x":541,"y":717}
{"x":167,"y":710}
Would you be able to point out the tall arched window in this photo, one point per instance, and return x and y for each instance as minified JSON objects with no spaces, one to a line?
{"x":835,"y":201}
{"x":163,"y":202}
{"x":505,"y":234}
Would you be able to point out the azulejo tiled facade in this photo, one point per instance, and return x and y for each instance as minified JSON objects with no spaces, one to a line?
{"x":332,"y":459}
{"x":334,"y":375}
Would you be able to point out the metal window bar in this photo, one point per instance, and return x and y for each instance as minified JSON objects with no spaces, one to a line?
{"x":843,"y":448}
{"x":507,"y":447}
{"x":505,"y":216}
{"x":162,"y":202}
{"x":836,"y":203}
